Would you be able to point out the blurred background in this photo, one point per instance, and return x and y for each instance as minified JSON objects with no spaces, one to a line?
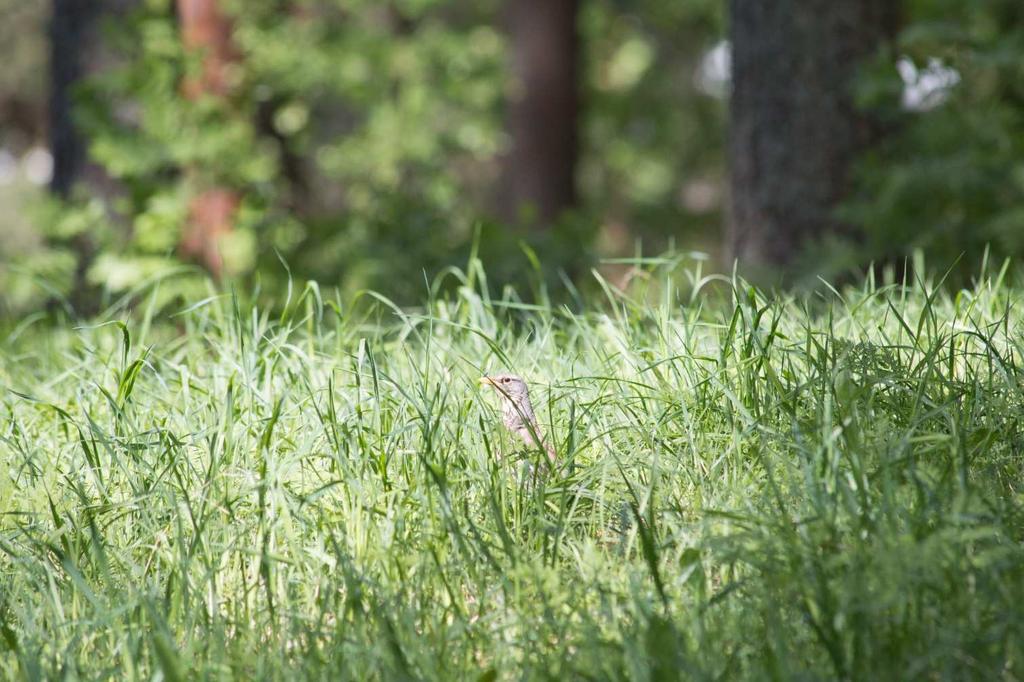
{"x":372,"y":143}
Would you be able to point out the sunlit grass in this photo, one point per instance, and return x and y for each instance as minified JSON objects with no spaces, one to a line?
{"x":751,"y":486}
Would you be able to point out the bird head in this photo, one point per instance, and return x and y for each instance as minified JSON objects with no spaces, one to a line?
{"x":508,"y":386}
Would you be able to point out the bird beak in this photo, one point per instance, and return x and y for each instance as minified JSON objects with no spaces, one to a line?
{"x":487,"y":380}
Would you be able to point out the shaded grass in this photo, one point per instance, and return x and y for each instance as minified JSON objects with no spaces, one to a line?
{"x":751,"y":487}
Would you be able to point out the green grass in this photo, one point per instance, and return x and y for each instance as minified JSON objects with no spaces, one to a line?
{"x":753,"y":487}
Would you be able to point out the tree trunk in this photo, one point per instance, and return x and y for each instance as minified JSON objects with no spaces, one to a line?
{"x":71,"y":24}
{"x":540,"y":175}
{"x":795,"y":130}
{"x":72,"y":53}
{"x":206,"y":30}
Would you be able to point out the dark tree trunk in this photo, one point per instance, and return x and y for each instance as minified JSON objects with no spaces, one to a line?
{"x":72,"y":55}
{"x":71,"y":26}
{"x":540,"y":175}
{"x":795,"y":130}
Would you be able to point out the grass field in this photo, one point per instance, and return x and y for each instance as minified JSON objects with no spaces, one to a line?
{"x":751,"y":487}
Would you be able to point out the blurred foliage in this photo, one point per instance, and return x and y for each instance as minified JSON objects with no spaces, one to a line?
{"x":22,"y":80}
{"x":950,"y":177}
{"x":23,"y":87}
{"x":338,"y":117}
{"x":650,"y":133}
{"x":367,"y":140}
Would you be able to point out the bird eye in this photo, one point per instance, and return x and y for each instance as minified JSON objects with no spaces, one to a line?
{"x":505,"y":380}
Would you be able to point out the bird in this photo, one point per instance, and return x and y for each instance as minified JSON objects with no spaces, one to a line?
{"x":517,"y":412}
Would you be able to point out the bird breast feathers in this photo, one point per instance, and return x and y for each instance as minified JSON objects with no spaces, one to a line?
{"x":517,"y":413}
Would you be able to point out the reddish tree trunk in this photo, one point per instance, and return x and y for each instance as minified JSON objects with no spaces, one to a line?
{"x":211,"y":216}
{"x":540,"y":176}
{"x":205,"y":29}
